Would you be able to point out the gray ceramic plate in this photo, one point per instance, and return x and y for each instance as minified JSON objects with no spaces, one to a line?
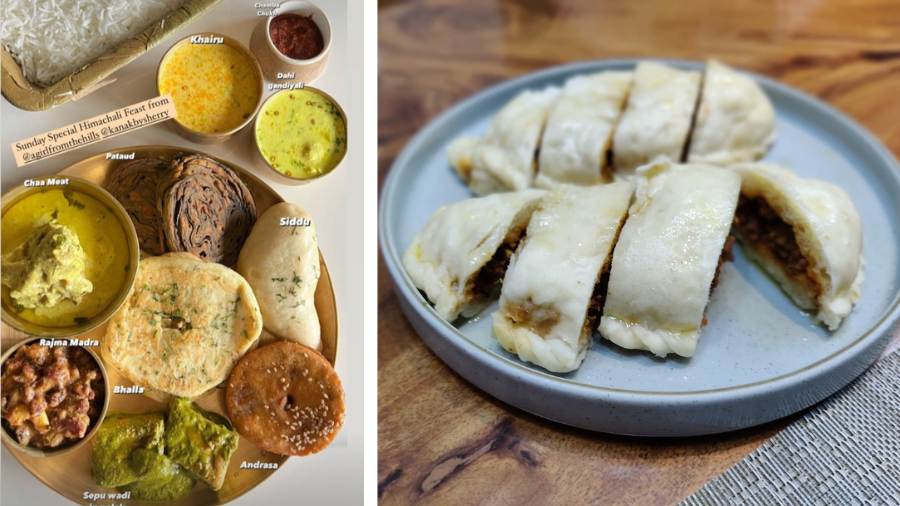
{"x":758,"y":359}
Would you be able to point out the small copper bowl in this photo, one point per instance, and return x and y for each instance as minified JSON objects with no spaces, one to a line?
{"x":10,"y":441}
{"x":217,"y":137}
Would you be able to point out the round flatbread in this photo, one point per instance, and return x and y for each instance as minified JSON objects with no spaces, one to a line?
{"x":285,"y":398}
{"x":134,"y":184}
{"x":206,"y":209}
{"x":184,"y":326}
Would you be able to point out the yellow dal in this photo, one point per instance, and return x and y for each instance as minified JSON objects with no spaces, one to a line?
{"x":215,"y":87}
{"x":301,"y":133}
{"x":101,"y":235}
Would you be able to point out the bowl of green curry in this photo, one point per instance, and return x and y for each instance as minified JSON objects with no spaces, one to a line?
{"x":70,"y":255}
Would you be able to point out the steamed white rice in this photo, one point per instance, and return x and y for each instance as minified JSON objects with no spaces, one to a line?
{"x":53,"y":38}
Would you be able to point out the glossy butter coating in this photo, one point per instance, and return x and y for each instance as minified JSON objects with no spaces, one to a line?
{"x":579,"y":128}
{"x":735,"y":120}
{"x":657,"y":118}
{"x":666,"y":257}
{"x":827,"y":229}
{"x":503,"y":159}
{"x":548,"y":286}
{"x":459,"y":240}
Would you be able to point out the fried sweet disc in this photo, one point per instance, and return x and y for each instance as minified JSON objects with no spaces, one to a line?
{"x":286,"y":398}
{"x":134,"y":183}
{"x":206,"y":209}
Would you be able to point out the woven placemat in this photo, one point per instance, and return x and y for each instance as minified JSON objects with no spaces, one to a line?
{"x":845,"y":451}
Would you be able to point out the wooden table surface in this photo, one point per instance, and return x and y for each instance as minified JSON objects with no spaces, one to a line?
{"x":442,"y":441}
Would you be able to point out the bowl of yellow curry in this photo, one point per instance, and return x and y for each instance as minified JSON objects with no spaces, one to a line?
{"x":70,"y":254}
{"x":215,"y":83}
{"x":301,"y":134}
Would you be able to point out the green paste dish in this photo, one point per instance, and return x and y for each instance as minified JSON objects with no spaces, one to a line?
{"x":161,"y":479}
{"x":159,"y":458}
{"x":118,"y":437}
{"x":200,"y":442}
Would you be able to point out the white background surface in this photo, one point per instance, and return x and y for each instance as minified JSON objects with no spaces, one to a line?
{"x":336,"y":202}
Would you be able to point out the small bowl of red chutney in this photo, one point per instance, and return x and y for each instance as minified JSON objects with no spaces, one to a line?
{"x":293,"y":44}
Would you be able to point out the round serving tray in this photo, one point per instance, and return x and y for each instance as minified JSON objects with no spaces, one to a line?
{"x":759,"y":358}
{"x":70,"y":473}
